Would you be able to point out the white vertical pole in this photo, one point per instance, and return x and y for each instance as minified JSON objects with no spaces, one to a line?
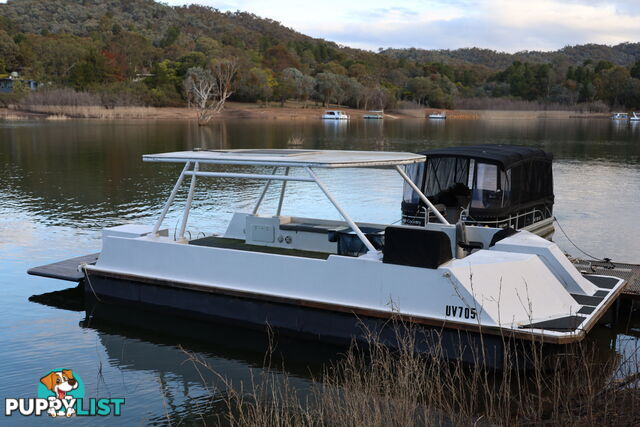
{"x":172,"y":196}
{"x":262,"y":194}
{"x":284,"y":187}
{"x":422,"y":196}
{"x":346,"y":217}
{"x":185,"y":216}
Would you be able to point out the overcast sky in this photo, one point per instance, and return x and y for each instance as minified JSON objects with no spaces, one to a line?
{"x":506,"y":25}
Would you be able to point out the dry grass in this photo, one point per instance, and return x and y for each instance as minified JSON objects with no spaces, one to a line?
{"x":57,"y":117}
{"x":295,"y":141}
{"x":93,"y":112}
{"x":374,"y":385}
{"x":12,"y":117}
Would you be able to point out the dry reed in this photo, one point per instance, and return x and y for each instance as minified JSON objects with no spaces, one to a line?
{"x":92,"y":112}
{"x":295,"y":141}
{"x":375,"y":385}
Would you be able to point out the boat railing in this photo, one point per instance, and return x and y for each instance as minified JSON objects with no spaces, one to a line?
{"x":516,"y":221}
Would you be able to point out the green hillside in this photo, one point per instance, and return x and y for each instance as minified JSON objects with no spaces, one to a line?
{"x":139,"y":51}
{"x":624,"y":54}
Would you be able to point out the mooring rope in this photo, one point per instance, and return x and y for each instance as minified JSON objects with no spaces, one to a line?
{"x":577,"y":247}
{"x":86,"y":276}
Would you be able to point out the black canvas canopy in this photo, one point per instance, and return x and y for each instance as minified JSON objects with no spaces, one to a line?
{"x":505,"y":155}
{"x":490,"y":181}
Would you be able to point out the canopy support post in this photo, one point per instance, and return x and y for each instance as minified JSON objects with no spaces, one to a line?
{"x":172,"y":196}
{"x":263,"y":193}
{"x":187,"y":208}
{"x":346,"y":217}
{"x":284,"y":187}
{"x":421,"y":195}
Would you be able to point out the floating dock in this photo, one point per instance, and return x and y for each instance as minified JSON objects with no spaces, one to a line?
{"x":65,"y":270}
{"x":628,"y":272}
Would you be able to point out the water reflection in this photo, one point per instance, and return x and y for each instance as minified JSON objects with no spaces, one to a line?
{"x":163,"y":347}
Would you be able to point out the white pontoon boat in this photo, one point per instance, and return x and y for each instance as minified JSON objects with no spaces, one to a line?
{"x":335,"y":115}
{"x":374,"y":115}
{"x":468,"y":286}
{"x":635,"y":117}
{"x":438,"y":116}
{"x":620,"y":116}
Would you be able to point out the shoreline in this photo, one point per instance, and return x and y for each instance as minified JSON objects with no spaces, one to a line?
{"x":236,"y":110}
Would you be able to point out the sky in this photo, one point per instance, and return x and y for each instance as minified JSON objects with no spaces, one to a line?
{"x":504,"y":25}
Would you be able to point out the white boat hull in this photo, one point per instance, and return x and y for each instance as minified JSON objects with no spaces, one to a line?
{"x":481,"y":292}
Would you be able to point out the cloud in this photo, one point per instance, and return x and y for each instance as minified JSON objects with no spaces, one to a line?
{"x":507,"y":25}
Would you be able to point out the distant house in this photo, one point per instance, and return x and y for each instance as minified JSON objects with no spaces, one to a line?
{"x":6,"y":84}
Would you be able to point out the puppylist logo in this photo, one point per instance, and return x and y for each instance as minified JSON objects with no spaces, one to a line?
{"x":61,"y":394}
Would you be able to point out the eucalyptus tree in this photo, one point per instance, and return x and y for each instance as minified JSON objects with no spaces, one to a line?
{"x":209,"y":88}
{"x":328,"y":87}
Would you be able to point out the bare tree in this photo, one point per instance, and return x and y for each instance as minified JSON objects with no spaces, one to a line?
{"x":210,"y":88}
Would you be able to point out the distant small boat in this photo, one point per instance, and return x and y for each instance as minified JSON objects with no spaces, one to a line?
{"x":634,"y":117}
{"x":620,"y":116}
{"x":335,"y":115}
{"x":374,"y":115}
{"x":439,"y":116}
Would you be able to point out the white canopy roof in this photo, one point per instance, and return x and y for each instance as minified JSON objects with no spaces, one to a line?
{"x":292,"y":158}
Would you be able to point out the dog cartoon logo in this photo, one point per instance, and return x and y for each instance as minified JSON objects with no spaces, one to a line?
{"x":61,"y":388}
{"x":61,"y":394}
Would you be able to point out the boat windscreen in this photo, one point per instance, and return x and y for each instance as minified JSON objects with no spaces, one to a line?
{"x":450,"y":180}
{"x":438,"y":176}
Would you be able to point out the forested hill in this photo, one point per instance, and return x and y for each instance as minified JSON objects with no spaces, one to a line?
{"x":142,"y":52}
{"x":621,"y":54}
{"x":146,"y":17}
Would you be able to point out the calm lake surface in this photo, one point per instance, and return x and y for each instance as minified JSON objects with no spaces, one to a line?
{"x":62,"y":182}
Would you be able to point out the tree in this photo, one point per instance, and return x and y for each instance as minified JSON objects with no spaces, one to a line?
{"x":635,"y":70}
{"x":256,"y":84}
{"x":279,"y":57}
{"x":617,"y":87}
{"x":307,"y":86}
{"x":328,"y":87}
{"x":211,"y":87}
{"x":419,"y":89}
{"x":288,"y":84}
{"x":374,"y":97}
{"x":8,"y":51}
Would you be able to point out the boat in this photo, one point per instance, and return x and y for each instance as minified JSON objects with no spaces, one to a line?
{"x":619,"y":116}
{"x":634,"y":117}
{"x":438,"y":116}
{"x":374,"y":115}
{"x":503,"y":186}
{"x":335,"y":115}
{"x":465,"y":287}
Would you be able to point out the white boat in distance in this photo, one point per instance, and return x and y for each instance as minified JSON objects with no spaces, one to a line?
{"x":465,"y":287}
{"x":374,"y":115}
{"x":335,"y":115}
{"x":439,"y":116}
{"x":634,"y":117}
{"x":620,"y":116}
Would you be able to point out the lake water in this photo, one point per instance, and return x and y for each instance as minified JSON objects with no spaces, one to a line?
{"x":62,"y":182}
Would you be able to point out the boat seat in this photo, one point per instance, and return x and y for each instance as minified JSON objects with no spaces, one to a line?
{"x":464,"y":245}
{"x":416,"y":247}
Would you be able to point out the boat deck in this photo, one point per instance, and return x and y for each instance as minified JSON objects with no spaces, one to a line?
{"x":628,"y":272}
{"x":237,"y":244}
